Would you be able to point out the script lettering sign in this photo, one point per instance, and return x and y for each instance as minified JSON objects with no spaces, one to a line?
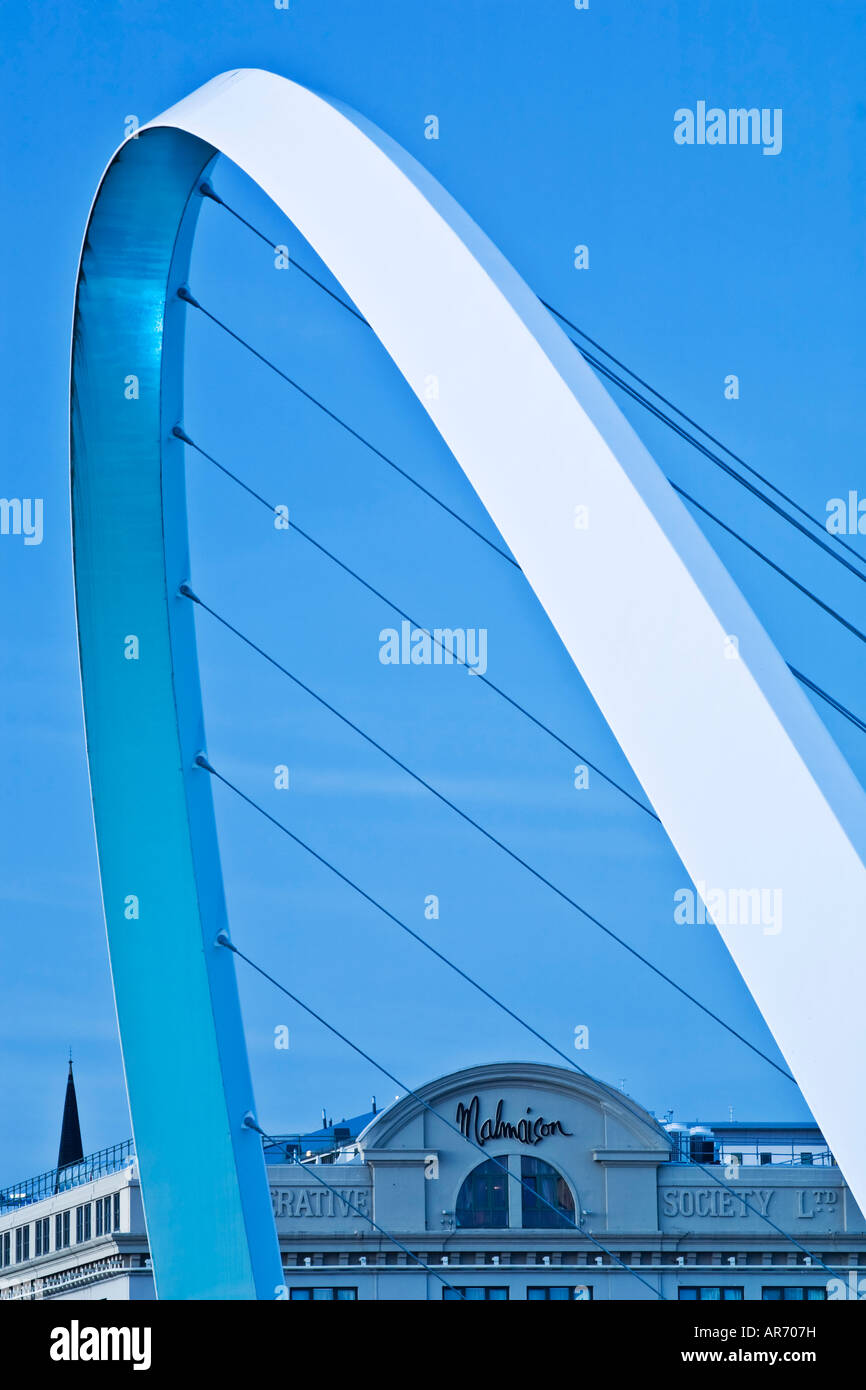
{"x":526,"y":1130}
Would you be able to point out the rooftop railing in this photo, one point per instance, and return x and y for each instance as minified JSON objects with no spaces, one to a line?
{"x":95,"y":1165}
{"x":296,"y":1148}
{"x":756,"y":1155}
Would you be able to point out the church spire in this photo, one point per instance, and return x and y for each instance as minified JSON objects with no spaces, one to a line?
{"x":71,"y":1150}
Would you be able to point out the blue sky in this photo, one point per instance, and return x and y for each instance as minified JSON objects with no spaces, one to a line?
{"x":556,"y":129}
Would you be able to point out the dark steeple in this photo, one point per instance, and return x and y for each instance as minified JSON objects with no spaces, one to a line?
{"x":70,"y":1133}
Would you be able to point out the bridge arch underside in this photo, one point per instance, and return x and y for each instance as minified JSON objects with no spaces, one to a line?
{"x":182,"y":1038}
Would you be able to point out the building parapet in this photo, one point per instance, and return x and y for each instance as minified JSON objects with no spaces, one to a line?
{"x":39,"y":1286}
{"x":96,"y":1165}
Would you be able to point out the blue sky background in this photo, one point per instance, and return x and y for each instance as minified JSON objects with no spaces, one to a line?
{"x":556,"y":128}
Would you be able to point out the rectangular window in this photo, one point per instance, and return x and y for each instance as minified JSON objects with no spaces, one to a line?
{"x":82,"y":1223}
{"x":329,"y":1295}
{"x":43,"y":1236}
{"x":5,"y":1250}
{"x":61,"y":1230}
{"x":475,"y":1293}
{"x":793,"y":1293}
{"x":106,"y":1215}
{"x":22,"y":1244}
{"x":560,"y":1293}
{"x":98,"y":1218}
{"x":117,"y":1211}
{"x":711,"y":1293}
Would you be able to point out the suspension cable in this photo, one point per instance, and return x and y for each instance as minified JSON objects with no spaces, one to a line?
{"x":202,"y":761}
{"x":831,"y":700}
{"x":224,"y":940}
{"x":207,"y":191}
{"x":188,"y":298}
{"x":707,"y":435}
{"x":184,"y":294}
{"x":310,"y":1169}
{"x":431,"y":633}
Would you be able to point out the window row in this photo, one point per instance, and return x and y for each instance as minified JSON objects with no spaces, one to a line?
{"x":710,"y":1293}
{"x":577,"y":1293}
{"x":581,"y":1293}
{"x":328,"y":1295}
{"x":91,"y":1218}
{"x":469,"y":1293}
{"x":498,"y":1293}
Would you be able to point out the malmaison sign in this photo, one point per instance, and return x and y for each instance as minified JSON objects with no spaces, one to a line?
{"x":528,"y":1130}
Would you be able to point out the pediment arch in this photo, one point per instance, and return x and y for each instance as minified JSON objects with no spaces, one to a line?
{"x":626,"y":1124}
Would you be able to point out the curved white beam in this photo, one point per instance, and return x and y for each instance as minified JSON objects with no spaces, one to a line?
{"x":748,"y":783}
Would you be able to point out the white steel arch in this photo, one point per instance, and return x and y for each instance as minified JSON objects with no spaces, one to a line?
{"x":748,"y":783}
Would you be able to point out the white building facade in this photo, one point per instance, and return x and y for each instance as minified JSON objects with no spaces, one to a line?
{"x":77,"y":1233}
{"x":508,"y":1181}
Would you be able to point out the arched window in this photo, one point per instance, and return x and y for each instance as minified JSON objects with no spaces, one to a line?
{"x":542,"y":1197}
{"x":543,"y":1184}
{"x":483,"y":1198}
